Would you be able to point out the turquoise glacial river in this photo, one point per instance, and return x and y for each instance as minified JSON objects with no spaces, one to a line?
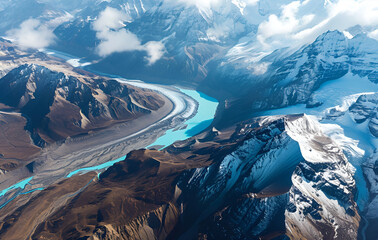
{"x":207,"y":107}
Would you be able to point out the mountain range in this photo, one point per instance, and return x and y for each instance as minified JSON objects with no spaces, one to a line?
{"x":290,"y":154}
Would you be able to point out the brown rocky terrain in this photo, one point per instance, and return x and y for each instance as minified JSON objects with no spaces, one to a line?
{"x":134,"y":199}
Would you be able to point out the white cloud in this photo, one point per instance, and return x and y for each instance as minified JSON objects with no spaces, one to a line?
{"x":115,"y":38}
{"x":278,"y":28}
{"x":117,"y":41}
{"x":110,"y":18}
{"x":32,"y":34}
{"x":302,"y":21}
{"x":155,"y":51}
{"x":284,"y":24}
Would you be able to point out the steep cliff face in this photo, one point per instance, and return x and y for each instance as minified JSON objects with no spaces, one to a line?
{"x":58,"y":106}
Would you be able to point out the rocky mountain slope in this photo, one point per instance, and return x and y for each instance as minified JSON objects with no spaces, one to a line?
{"x":282,"y":174}
{"x":51,"y":106}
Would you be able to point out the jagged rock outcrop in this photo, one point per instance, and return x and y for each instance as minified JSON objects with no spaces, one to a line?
{"x":366,"y":109}
{"x":152,"y":225}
